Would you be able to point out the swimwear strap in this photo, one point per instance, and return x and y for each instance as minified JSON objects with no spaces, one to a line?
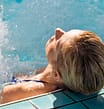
{"x":15,"y":80}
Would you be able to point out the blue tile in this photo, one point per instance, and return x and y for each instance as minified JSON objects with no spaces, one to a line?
{"x":95,"y":103}
{"x":78,"y":96}
{"x":19,"y":105}
{"x":74,"y":106}
{"x":52,"y":100}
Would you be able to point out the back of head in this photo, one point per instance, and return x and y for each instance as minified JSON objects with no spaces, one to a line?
{"x":83,"y":63}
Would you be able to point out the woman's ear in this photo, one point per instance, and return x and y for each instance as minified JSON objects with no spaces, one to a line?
{"x":56,"y":76}
{"x":58,"y":33}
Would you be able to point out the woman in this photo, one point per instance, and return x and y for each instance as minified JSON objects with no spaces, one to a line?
{"x":75,"y":60}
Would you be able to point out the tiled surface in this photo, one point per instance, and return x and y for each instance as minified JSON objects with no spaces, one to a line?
{"x":80,"y":97}
{"x":52,"y":100}
{"x":62,"y":100}
{"x":95,"y":103}
{"x":74,"y":106}
{"x":20,"y":105}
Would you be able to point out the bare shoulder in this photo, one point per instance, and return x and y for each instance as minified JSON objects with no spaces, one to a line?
{"x":38,"y":87}
{"x":24,"y":90}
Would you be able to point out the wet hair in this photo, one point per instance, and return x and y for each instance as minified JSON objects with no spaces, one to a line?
{"x":80,"y":63}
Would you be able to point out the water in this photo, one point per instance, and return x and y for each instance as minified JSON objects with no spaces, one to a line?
{"x":26,"y":25}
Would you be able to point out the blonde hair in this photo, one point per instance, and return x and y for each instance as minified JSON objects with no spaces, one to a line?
{"x":81,"y":63}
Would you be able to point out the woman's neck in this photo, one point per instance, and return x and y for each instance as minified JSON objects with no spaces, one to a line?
{"x":45,"y":75}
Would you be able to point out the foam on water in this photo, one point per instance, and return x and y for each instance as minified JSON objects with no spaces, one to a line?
{"x":3,"y":41}
{"x":10,"y":64}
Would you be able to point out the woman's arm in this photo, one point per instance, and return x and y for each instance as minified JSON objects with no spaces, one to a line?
{"x":24,"y":90}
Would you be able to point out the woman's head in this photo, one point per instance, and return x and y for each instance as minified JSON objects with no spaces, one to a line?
{"x":79,"y":58}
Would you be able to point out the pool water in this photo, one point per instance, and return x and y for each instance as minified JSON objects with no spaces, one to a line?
{"x":26,"y":25}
